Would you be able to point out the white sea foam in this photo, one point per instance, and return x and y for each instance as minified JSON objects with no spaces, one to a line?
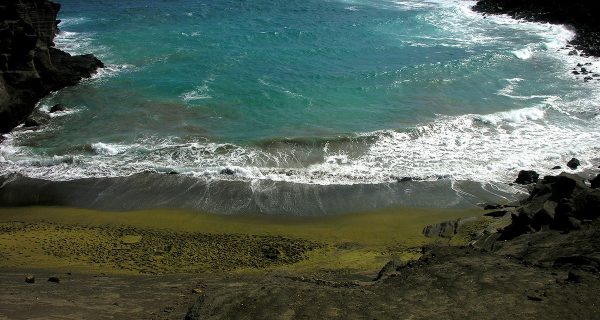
{"x":513,"y":116}
{"x":199,"y":93}
{"x":523,"y":54}
{"x":479,"y":147}
{"x":67,"y":22}
{"x":112,"y":70}
{"x":108,"y":149}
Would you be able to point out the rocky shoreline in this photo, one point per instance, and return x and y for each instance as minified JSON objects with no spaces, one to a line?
{"x":541,"y":256}
{"x":30,"y":66}
{"x":580,"y":15}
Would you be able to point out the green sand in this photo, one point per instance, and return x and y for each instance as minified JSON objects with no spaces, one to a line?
{"x":178,"y":241}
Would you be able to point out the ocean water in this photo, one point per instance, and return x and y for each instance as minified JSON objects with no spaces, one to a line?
{"x":318,"y":94}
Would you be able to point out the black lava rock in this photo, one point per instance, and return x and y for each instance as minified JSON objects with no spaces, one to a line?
{"x":595,"y":182}
{"x":54,"y":279}
{"x":527,"y":177}
{"x":573,"y":163}
{"x":227,"y":171}
{"x":57,"y":108}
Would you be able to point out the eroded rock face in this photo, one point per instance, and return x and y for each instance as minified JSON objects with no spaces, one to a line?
{"x":559,"y":202}
{"x":30,"y":67}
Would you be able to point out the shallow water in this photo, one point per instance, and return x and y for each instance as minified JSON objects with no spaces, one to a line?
{"x":315,"y":93}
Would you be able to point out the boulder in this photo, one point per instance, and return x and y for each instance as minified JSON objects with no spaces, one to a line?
{"x":30,"y":279}
{"x":595,"y":183}
{"x":573,"y":163}
{"x":57,"y":108}
{"x":527,"y":177}
{"x":227,"y":171}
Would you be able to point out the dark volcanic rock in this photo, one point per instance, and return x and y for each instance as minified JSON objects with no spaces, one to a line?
{"x":582,"y":15}
{"x":54,"y":279}
{"x":595,"y":182}
{"x":573,"y":163}
{"x":57,"y":108}
{"x":559,"y":202}
{"x":30,"y":67}
{"x":30,"y":279}
{"x":527,"y":177}
{"x":227,"y":171}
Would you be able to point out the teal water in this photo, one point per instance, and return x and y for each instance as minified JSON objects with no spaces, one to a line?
{"x":312,"y":91}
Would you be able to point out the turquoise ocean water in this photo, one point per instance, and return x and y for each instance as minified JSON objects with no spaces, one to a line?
{"x":313,"y":92}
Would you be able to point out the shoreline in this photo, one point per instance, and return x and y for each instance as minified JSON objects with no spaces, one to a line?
{"x":538,"y":258}
{"x":581,"y":16}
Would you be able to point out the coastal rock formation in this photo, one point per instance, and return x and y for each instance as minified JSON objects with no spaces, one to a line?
{"x":581,"y":15}
{"x":560,"y":202}
{"x":30,"y":66}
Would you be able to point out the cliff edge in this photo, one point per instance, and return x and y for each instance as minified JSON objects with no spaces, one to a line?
{"x":30,"y":66}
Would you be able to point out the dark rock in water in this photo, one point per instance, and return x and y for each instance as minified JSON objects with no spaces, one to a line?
{"x":30,"y":123}
{"x":30,"y":66}
{"x":578,"y":14}
{"x":556,"y":167}
{"x":527,"y":177}
{"x":595,"y":182}
{"x":575,"y":72}
{"x":54,"y":279}
{"x":405,"y":179}
{"x":573,"y":163}
{"x":57,"y":108}
{"x":227,"y":171}
{"x":30,"y":279}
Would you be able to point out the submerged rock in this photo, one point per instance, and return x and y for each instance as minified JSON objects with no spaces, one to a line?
{"x":573,"y":163}
{"x":227,"y":171}
{"x":57,"y":108}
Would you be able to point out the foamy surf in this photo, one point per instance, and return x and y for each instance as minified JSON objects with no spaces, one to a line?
{"x":470,"y":105}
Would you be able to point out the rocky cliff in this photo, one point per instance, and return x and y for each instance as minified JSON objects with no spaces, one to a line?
{"x":30,"y":66}
{"x":582,"y":15}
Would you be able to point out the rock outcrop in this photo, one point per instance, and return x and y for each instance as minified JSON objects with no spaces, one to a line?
{"x":581,"y":15}
{"x":560,"y":202}
{"x":30,"y":66}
